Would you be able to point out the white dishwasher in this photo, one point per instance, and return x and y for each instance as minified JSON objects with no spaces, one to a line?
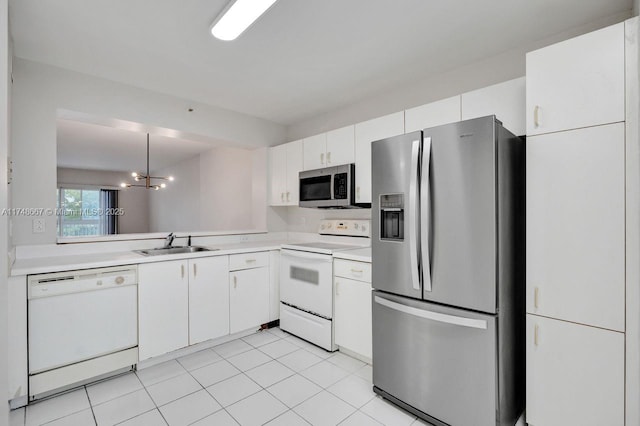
{"x":82,"y":325}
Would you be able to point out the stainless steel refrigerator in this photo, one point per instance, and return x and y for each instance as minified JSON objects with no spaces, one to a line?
{"x":448,"y":273}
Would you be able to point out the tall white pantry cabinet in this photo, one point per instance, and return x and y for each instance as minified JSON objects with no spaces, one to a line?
{"x":582,"y":146}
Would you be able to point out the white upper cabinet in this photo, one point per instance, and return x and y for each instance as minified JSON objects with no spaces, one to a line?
{"x":575,"y":374}
{"x":278,"y":174}
{"x":315,"y":152}
{"x":434,"y":114}
{"x":341,"y":146}
{"x":285,"y":162}
{"x":576,"y":226}
{"x":333,"y":148}
{"x":577,"y":83}
{"x":365,"y":133}
{"x":507,"y":101}
{"x":294,"y":166}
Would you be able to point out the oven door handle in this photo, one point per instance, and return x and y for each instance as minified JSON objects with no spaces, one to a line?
{"x":306,"y":256}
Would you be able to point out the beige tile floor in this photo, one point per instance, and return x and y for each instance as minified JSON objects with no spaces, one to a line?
{"x":269,"y":377}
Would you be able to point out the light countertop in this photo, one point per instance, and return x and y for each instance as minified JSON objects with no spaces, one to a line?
{"x":360,"y":255}
{"x":39,"y":265}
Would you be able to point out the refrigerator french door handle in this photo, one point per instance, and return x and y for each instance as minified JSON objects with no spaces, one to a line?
{"x":413,"y":215}
{"x":425,"y":212}
{"x":433,"y":316}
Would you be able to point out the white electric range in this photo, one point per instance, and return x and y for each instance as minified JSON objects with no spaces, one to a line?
{"x":306,"y":281}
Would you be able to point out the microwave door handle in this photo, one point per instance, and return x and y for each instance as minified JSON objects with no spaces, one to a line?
{"x":413,"y":215}
{"x":425,"y":213}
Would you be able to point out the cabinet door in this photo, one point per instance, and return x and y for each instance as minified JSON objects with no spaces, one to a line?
{"x":208,"y":298}
{"x":278,"y":175}
{"x":249,"y":299}
{"x":365,"y":133}
{"x":575,"y":374}
{"x":577,"y":83}
{"x":576,"y":226}
{"x":505,"y":100}
{"x":433,"y":114}
{"x":340,"y":146}
{"x":294,"y":166}
{"x":163,"y":307}
{"x":352,"y":315}
{"x":315,"y":152}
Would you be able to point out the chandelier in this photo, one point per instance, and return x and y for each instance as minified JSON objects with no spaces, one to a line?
{"x":147,"y":178}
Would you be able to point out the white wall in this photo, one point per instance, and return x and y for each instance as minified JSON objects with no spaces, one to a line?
{"x":133,"y":201}
{"x":176,"y":208}
{"x":5,"y":75}
{"x":226,"y":189}
{"x":636,"y":7}
{"x":41,"y":90}
{"x":506,"y":66}
{"x":217,"y":190}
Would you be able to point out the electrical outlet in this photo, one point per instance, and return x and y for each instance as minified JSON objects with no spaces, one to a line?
{"x":38,"y":226}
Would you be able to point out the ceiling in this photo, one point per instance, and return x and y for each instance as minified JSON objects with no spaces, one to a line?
{"x":95,"y":147}
{"x":299,"y":60}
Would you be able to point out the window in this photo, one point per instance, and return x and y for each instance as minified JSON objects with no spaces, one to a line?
{"x":87,"y":212}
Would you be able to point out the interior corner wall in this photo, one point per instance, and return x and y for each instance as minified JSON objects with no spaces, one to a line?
{"x":636,"y":7}
{"x":39,"y":91}
{"x":5,"y":101}
{"x":176,"y":208}
{"x":226,"y":190}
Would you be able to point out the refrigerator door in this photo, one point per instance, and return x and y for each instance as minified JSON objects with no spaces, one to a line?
{"x":439,"y":360}
{"x":395,"y":213}
{"x":459,"y":208}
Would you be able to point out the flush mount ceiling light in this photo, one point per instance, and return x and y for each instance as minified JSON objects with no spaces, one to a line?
{"x":237,"y":17}
{"x":147,"y":177}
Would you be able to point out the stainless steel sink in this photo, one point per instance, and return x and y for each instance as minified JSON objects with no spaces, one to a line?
{"x":173,"y":250}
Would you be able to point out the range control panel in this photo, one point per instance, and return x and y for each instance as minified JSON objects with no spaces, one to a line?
{"x":347,"y":227}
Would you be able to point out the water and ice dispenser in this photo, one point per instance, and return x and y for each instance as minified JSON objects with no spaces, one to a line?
{"x":392,"y":217}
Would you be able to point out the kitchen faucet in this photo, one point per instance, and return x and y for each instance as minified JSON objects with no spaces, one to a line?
{"x":169,"y":240}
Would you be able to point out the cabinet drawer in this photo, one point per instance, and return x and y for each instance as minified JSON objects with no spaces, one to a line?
{"x":360,"y":271}
{"x":248,"y":260}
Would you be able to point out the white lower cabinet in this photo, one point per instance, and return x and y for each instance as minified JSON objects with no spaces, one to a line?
{"x":575,"y":374}
{"x":208,"y":298}
{"x":274,"y":285}
{"x":248,"y":292}
{"x":352,"y":306}
{"x":163,"y":307}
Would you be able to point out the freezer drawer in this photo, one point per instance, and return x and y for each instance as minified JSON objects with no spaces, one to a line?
{"x":436,"y":359}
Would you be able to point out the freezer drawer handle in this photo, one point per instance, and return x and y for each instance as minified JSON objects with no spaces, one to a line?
{"x":434,"y":316}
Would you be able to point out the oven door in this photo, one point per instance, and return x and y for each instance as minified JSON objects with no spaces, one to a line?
{"x":306,"y":281}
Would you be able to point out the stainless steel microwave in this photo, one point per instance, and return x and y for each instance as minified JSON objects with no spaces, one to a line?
{"x":329,"y":188}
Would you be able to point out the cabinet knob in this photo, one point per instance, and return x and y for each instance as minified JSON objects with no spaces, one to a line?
{"x":328,"y":157}
{"x":288,"y":196}
{"x":322,"y":158}
{"x":195,"y":270}
{"x":535,"y":335}
{"x":182,"y":271}
{"x":119,"y":280}
{"x":282,"y":196}
{"x":235,"y":281}
{"x":337,"y":288}
{"x":357,"y":193}
{"x":536,"y":294}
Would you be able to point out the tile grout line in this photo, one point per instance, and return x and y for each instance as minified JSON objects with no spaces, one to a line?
{"x":90,"y":405}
